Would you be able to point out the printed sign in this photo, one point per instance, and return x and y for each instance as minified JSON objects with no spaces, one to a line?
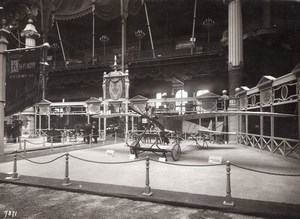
{"x":22,"y":80}
{"x":215,"y":159}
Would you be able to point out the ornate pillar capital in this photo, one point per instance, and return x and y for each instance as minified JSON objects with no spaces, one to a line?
{"x":232,"y":67}
{"x":30,"y":33}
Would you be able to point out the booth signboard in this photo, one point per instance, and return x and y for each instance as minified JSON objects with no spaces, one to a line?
{"x":93,"y":105}
{"x":22,"y":80}
{"x":208,"y":101}
{"x":115,"y":88}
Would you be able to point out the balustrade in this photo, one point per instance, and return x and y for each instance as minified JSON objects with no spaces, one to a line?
{"x":133,"y":54}
{"x":274,"y":95}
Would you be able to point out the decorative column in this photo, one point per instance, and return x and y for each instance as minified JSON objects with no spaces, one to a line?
{"x":208,"y":23}
{"x":139,"y":34}
{"x":3,"y":47}
{"x":30,"y":34}
{"x":235,"y":45}
{"x":104,"y":40}
{"x":126,"y":102}
{"x":235,"y":59}
{"x":104,"y":104}
{"x":123,"y":23}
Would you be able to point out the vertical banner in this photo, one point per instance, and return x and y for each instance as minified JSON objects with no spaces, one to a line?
{"x":22,"y":80}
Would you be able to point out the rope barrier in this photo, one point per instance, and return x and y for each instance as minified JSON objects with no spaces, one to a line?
{"x":59,"y":135}
{"x":35,"y":143}
{"x":188,"y":165}
{"x":47,"y":162}
{"x":173,"y":164}
{"x":264,"y":172}
{"x":98,"y":162}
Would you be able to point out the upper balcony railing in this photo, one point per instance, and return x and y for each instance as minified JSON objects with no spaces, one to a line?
{"x":134,"y":54}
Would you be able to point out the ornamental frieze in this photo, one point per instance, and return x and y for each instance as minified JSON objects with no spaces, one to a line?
{"x":209,"y":105}
{"x":266,"y":96}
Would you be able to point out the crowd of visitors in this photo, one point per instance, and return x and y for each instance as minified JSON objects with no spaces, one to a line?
{"x":90,"y":130}
{"x":12,"y":131}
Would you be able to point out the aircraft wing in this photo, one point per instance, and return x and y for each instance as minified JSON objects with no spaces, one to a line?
{"x":177,"y":125}
{"x":227,"y":113}
{"x":192,"y":128}
{"x":112,"y":115}
{"x":216,"y":132}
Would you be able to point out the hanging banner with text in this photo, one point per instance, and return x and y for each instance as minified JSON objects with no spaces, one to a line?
{"x":22,"y":80}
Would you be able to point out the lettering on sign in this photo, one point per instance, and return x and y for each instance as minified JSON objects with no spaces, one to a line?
{"x":16,"y":66}
{"x":215,"y":159}
{"x":110,"y":152}
{"x":162,"y":159}
{"x":23,"y":87}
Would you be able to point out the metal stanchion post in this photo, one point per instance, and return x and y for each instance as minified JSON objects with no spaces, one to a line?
{"x":25,"y":147}
{"x":73,"y":141}
{"x":147,"y":188}
{"x":43,"y":140}
{"x":67,"y":179}
{"x":228,"y":199}
{"x":63,"y":138}
{"x":20,"y":143}
{"x":90,"y":139}
{"x":115,"y":137}
{"x":51,"y":143}
{"x":14,"y":175}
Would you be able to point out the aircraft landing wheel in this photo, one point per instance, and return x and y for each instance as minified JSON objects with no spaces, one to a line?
{"x":176,"y":152}
{"x":134,"y":146}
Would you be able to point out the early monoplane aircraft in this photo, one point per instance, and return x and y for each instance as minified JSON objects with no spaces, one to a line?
{"x":166,"y":133}
{"x":154,"y":138}
{"x":175,"y":129}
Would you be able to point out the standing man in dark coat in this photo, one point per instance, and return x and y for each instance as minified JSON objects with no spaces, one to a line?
{"x":16,"y":130}
{"x":95,"y":131}
{"x":9,"y":130}
{"x":88,"y":132}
